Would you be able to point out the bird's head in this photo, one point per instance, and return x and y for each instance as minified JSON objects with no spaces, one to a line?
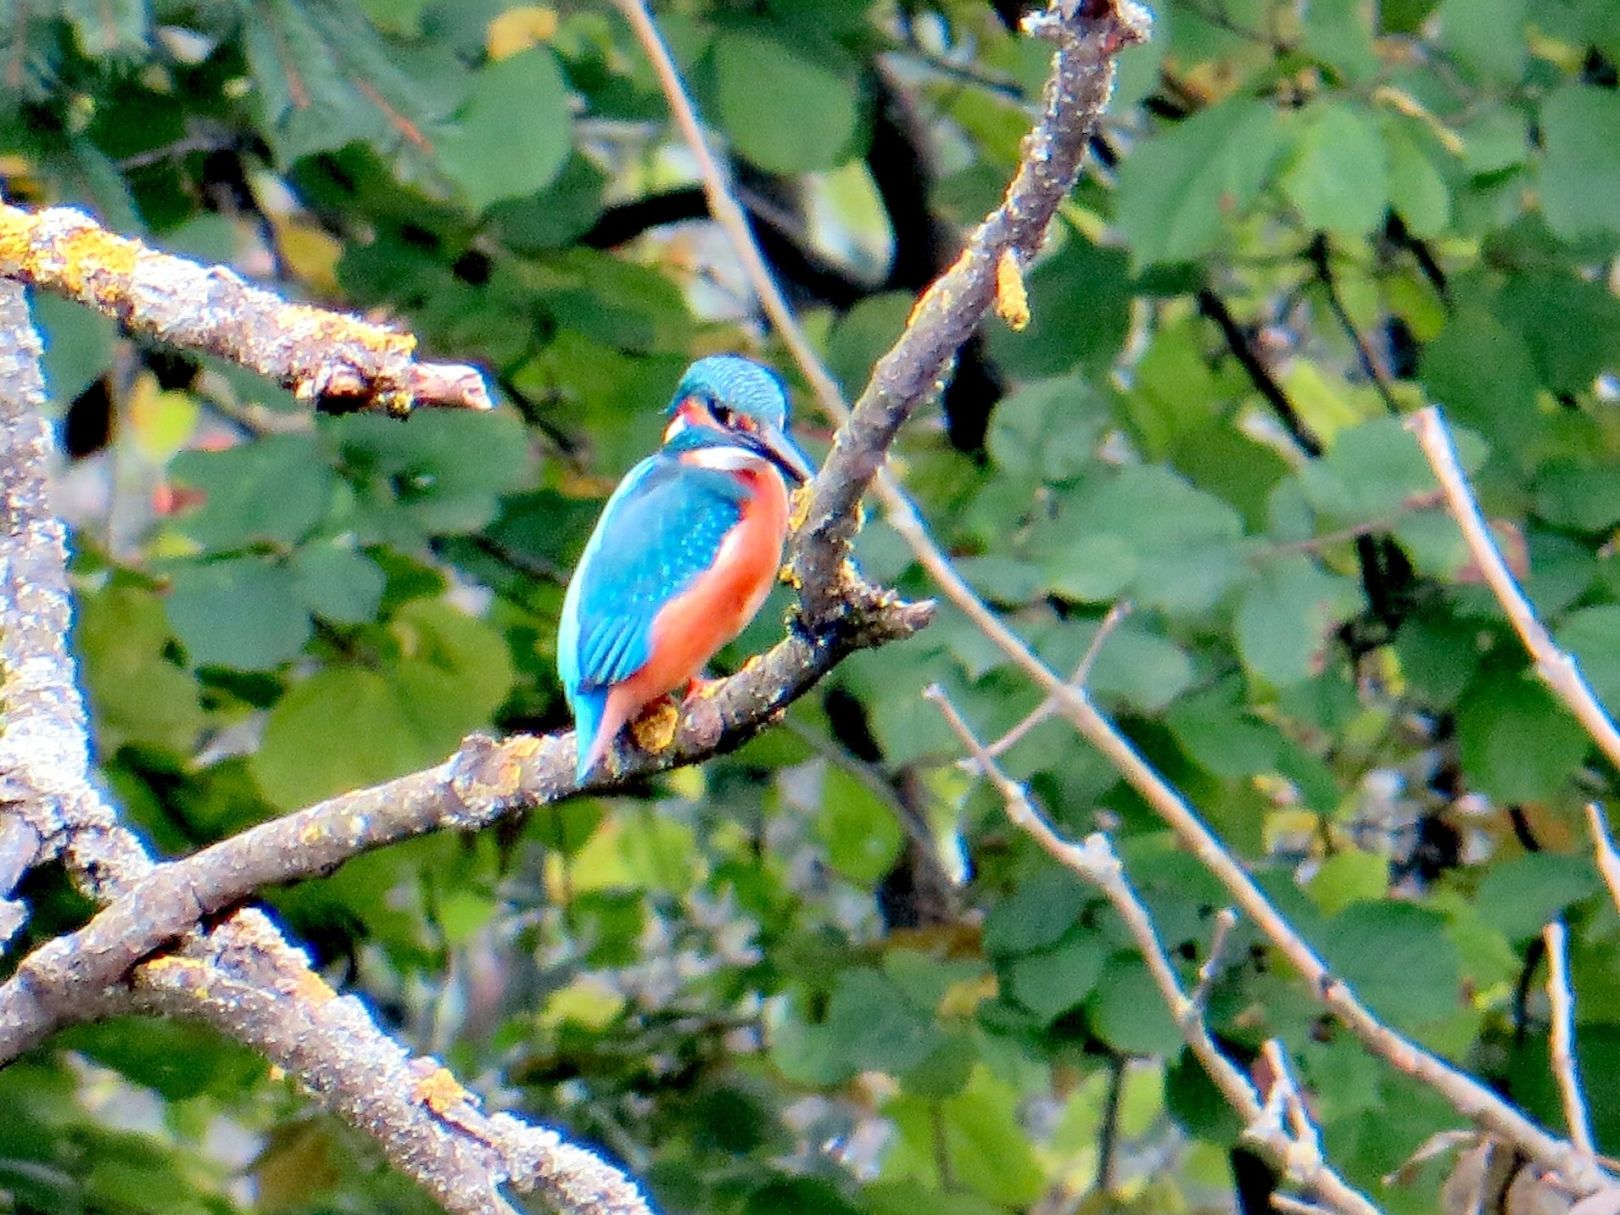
{"x":728,"y":402}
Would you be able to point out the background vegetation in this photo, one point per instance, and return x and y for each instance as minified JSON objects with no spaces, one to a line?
{"x":823,"y":975}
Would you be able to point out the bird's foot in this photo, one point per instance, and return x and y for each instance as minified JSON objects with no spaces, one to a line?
{"x":654,"y":728}
{"x":699,"y":688}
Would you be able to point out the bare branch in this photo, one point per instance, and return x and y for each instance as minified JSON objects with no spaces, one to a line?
{"x":950,"y":310}
{"x":458,"y":1154}
{"x":1469,"y":1097}
{"x":44,"y":741}
{"x":423,"y":1119}
{"x":1096,"y":863}
{"x":1082,"y":672}
{"x":1608,"y":861}
{"x":326,"y":358}
{"x":1556,"y":668}
{"x":1561,"y":1043}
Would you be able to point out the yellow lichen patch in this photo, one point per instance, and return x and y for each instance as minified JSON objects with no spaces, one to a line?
{"x":14,"y":231}
{"x":1012,"y":301}
{"x":517,"y":29}
{"x":313,"y":989}
{"x":439,"y":1091}
{"x":311,"y":834}
{"x":95,"y":264}
{"x":654,"y":730}
{"x":799,"y":507}
{"x":524,"y":746}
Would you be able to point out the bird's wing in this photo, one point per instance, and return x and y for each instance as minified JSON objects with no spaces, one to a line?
{"x":661,"y":528}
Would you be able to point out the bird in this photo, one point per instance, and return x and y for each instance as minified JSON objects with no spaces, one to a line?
{"x":684,"y":552}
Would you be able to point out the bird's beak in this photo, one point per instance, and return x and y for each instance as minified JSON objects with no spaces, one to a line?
{"x":780,"y":449}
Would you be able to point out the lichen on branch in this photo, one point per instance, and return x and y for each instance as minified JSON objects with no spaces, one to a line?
{"x":327,"y":358}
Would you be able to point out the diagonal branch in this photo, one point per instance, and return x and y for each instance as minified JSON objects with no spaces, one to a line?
{"x":51,"y":806}
{"x":265,"y":996}
{"x":1292,"y":1149}
{"x":1556,"y":668}
{"x":327,"y":358}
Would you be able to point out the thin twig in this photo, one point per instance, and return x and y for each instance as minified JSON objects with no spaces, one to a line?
{"x":1557,"y":669}
{"x":1608,"y":861}
{"x":1096,"y":863}
{"x":1561,"y":1039}
{"x":1048,"y":707}
{"x":1225,"y":920}
{"x":1321,"y":259}
{"x":1466,"y":1095}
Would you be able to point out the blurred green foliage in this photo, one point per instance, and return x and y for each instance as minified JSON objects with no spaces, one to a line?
{"x":823,"y":975}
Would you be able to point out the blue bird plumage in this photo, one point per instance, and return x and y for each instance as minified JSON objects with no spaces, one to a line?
{"x":663,"y":528}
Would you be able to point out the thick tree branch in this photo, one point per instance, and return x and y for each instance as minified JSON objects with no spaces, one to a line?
{"x":481,"y":782}
{"x":1556,"y":668}
{"x":1293,"y":1151}
{"x":45,"y":792}
{"x":327,"y":358}
{"x":265,"y":996}
{"x":51,"y":806}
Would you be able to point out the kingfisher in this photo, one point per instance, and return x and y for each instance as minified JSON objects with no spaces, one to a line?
{"x":685,"y":551}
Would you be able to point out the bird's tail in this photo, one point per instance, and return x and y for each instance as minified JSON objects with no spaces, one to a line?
{"x":590,"y":708}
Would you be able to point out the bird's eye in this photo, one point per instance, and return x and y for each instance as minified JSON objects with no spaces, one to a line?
{"x":723,"y":414}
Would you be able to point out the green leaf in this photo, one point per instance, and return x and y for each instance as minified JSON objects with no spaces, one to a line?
{"x":337,"y":583}
{"x":243,"y":612}
{"x":988,"y":1149}
{"x":876,"y":1026}
{"x":456,"y":671}
{"x":1222,"y":737}
{"x":1485,"y":376}
{"x":1592,"y":635}
{"x":1378,"y":947}
{"x":1338,"y":175}
{"x":1141,"y":667}
{"x":1048,"y":430}
{"x":1052,"y":981}
{"x":513,"y":136}
{"x":1487,"y":36}
{"x":1128,"y":1012}
{"x":1580,"y":175}
{"x":1184,"y":539}
{"x":1520,"y":895}
{"x":1286,"y":615}
{"x":1080,"y":277}
{"x":79,"y":345}
{"x":864,"y":333}
{"x":1179,"y":191}
{"x":1370,"y":472}
{"x":789,"y":105}
{"x":273,"y":489}
{"x":1418,"y":189}
{"x":108,"y":28}
{"x":138,"y":693}
{"x":1517,"y":742}
{"x":859,"y":830}
{"x":1092,"y":569}
{"x":1039,"y":912}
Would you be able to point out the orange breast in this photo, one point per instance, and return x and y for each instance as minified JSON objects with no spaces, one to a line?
{"x":720,"y":602}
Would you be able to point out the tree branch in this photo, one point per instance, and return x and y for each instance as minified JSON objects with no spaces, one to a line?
{"x":327,"y":358}
{"x":949,"y":311}
{"x":1470,"y":1098}
{"x":1557,"y":669}
{"x":1561,"y":1038}
{"x":50,"y":806}
{"x":1097,"y":864}
{"x":422,"y":1118}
